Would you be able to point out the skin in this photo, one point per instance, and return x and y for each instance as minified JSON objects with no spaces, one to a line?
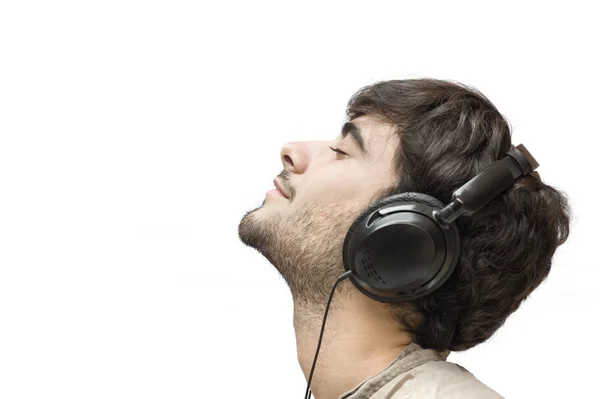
{"x":303,"y":238}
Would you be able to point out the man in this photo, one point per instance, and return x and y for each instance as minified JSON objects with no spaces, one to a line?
{"x":426,"y":136}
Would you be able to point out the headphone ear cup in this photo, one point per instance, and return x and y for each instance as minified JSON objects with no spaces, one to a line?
{"x":394,"y":199}
{"x":396,"y":249}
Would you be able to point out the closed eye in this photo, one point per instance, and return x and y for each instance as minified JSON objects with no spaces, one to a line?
{"x":337,"y":150}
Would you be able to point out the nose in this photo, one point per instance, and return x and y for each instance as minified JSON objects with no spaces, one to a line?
{"x":294,"y":156}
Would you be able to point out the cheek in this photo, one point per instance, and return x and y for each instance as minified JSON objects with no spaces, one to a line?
{"x":336,"y":188}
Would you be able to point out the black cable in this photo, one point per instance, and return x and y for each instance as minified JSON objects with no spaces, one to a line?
{"x":339,"y":280}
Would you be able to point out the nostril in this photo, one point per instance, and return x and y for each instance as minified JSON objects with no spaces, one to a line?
{"x":288,"y":159}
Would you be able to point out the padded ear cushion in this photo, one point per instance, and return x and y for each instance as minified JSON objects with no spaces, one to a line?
{"x":396,"y":198}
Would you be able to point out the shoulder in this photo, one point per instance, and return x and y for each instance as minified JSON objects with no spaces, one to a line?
{"x":440,"y":380}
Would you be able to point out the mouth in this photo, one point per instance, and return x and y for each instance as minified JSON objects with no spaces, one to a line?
{"x":280,"y":189}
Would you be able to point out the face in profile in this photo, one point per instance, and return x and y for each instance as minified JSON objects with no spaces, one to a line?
{"x":302,"y":230}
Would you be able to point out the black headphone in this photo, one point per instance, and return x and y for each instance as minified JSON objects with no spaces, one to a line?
{"x":407,"y":245}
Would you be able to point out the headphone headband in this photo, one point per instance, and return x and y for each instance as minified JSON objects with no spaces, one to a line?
{"x":488,"y":184}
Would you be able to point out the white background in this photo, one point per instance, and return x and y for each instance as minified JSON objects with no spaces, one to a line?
{"x":135,"y":135}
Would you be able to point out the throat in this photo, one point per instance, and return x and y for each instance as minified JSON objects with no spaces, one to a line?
{"x":357,"y":343}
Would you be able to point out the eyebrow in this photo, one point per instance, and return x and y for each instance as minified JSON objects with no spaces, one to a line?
{"x":354,"y":131}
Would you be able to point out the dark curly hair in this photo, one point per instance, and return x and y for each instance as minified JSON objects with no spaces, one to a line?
{"x":448,"y":133}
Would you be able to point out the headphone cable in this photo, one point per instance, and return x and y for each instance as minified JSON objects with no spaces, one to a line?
{"x":341,"y":278}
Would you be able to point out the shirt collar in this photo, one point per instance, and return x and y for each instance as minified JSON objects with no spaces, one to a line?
{"x":412,"y":356}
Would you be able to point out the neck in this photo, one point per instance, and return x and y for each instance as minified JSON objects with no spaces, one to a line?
{"x":361,"y":339}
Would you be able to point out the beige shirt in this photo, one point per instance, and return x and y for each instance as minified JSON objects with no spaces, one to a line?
{"x":419,"y":373}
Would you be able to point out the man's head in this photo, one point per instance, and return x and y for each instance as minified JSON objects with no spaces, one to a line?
{"x":425,"y":136}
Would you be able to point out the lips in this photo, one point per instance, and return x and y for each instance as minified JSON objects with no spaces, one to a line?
{"x":278,"y":187}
